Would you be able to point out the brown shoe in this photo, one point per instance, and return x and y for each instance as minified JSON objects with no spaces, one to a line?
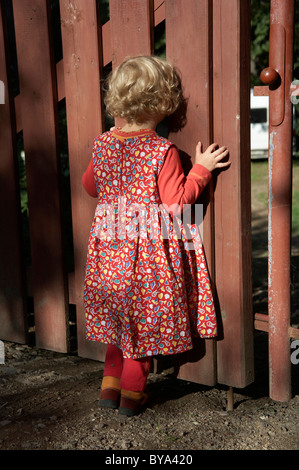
{"x":110,"y":392}
{"x":132,"y":403}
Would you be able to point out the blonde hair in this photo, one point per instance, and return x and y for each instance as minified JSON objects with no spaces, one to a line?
{"x":142,"y":87}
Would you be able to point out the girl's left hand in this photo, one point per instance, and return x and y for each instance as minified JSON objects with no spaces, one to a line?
{"x":211,"y":157}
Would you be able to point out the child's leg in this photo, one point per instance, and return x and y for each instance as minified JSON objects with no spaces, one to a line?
{"x":110,"y":390}
{"x":113,"y":361}
{"x":133,"y":385}
{"x":135,"y":373}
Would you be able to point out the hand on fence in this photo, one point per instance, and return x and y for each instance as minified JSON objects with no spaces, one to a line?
{"x":211,"y":157}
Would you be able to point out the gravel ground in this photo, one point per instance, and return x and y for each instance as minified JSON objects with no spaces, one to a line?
{"x":49,"y":401}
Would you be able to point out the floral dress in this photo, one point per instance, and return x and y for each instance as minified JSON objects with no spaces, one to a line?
{"x":145,"y":290}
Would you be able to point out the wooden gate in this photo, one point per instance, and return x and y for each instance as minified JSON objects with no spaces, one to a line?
{"x":209,"y":41}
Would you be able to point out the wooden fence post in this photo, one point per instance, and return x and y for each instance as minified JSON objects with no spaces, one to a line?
{"x":39,"y":120}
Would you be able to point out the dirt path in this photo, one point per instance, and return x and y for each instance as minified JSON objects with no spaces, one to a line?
{"x":49,"y":401}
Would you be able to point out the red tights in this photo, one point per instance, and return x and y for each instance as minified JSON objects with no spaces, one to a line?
{"x":133,"y":373}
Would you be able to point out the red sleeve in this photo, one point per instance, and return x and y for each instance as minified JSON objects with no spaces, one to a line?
{"x":88,"y":181}
{"x":176,"y":188}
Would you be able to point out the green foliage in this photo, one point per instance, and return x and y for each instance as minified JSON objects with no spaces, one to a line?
{"x":103,"y":8}
{"x":160,"y":40}
{"x":260,"y":24}
{"x":259,"y":179}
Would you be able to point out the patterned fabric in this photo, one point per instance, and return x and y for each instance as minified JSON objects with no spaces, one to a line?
{"x":145,"y":291}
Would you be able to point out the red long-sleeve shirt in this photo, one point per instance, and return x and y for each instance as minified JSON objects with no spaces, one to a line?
{"x":174,"y":187}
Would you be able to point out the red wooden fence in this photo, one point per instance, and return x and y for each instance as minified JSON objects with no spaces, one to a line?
{"x":209,"y":41}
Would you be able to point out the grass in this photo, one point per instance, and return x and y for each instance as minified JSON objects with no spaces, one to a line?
{"x":295,"y":212}
{"x":259,"y":171}
{"x":259,"y":178}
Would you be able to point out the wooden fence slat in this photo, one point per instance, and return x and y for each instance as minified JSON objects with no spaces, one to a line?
{"x":188,"y":46}
{"x":82,"y":64}
{"x":231,"y":44}
{"x":12,"y":285}
{"x":159,"y":11}
{"x":39,"y":121}
{"x":131,"y":28}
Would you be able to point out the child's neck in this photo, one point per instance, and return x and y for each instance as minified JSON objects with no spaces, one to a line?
{"x":133,"y":127}
{"x":136,"y":127}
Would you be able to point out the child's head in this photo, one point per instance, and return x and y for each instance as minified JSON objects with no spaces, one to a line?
{"x":142,"y":88}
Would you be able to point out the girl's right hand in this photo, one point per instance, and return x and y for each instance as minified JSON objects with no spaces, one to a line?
{"x":211,"y":157}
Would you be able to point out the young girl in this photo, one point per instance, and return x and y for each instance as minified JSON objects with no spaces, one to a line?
{"x":138,"y":296}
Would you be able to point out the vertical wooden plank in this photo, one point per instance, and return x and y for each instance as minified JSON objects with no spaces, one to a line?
{"x":188,"y":46}
{"x":39,"y":120}
{"x":131,"y":28}
{"x":231,"y":47}
{"x":82,"y":64}
{"x":12,"y":286}
{"x":159,"y":15}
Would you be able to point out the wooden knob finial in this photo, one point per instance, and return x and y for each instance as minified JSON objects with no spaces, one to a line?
{"x":269,"y":76}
